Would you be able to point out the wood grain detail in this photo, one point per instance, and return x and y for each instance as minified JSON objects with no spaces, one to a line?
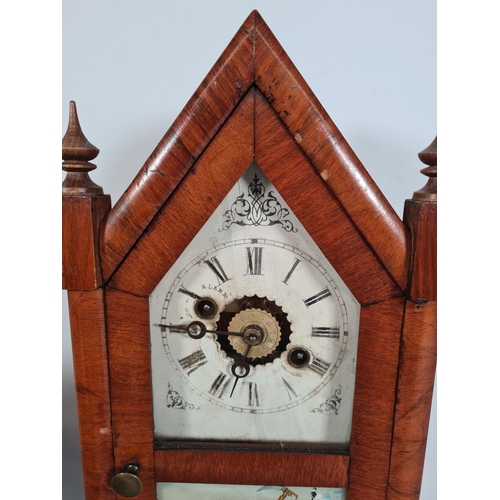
{"x":88,"y":337}
{"x":414,"y":399}
{"x":215,"y":173}
{"x":127,"y":320}
{"x":301,"y":112}
{"x":200,"y":120}
{"x":307,"y":195}
{"x":81,"y":217}
{"x":378,"y":354}
{"x":381,"y":322}
{"x":255,"y":57}
{"x":216,"y":467}
{"x":418,"y":354}
{"x":374,"y":399}
{"x":421,"y":219}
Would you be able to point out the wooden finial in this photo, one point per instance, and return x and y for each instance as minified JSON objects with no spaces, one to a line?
{"x":76,"y":153}
{"x":429,"y":157}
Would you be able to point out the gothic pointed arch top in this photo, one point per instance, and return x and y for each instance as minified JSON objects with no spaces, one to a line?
{"x":254,"y":59}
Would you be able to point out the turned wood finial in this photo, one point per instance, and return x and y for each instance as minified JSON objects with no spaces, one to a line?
{"x":76,"y":153}
{"x":429,"y":157}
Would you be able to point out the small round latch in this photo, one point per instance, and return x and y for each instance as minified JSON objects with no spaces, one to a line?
{"x":127,"y":484}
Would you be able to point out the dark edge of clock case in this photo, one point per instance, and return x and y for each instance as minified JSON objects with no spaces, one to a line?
{"x":199,"y":121}
{"x":179,"y":220}
{"x":90,"y":360}
{"x":421,"y":219}
{"x":241,"y":446}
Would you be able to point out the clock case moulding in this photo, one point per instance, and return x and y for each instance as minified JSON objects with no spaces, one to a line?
{"x":252,"y":106}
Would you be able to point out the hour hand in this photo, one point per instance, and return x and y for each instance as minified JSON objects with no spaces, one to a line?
{"x":240,"y":369}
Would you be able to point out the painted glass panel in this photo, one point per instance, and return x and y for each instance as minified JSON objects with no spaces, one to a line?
{"x":183,"y":491}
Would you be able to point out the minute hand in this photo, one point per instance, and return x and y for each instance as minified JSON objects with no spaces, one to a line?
{"x":197,"y":330}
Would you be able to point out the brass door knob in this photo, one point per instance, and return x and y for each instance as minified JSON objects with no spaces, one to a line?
{"x":127,"y":484}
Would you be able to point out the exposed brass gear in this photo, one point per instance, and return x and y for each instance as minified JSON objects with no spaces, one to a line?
{"x":260,"y":329}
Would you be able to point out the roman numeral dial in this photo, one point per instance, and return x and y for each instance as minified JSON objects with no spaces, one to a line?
{"x":289,"y":389}
{"x":326,"y":332}
{"x":319,"y":366}
{"x":316,"y":298}
{"x":254,"y":261}
{"x":193,"y":361}
{"x":290,"y":272}
{"x":220,"y":385}
{"x":253,"y":394}
{"x":268,"y":293}
{"x":217,"y":269}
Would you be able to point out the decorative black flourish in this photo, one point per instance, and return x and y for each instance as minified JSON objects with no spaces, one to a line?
{"x":174,"y":400}
{"x":331,"y":405}
{"x":257,"y":210}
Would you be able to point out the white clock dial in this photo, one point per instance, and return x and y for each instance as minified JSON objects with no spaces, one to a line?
{"x":280,"y":291}
{"x":253,"y":335}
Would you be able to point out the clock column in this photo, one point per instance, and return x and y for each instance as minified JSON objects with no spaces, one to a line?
{"x":84,"y":206}
{"x":417,"y":359}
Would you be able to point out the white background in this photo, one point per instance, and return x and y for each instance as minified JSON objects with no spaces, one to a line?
{"x":131,"y":67}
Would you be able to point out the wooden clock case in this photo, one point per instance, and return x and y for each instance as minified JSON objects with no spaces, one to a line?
{"x":252,"y":106}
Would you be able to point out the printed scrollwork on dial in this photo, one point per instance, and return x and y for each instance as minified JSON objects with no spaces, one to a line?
{"x":257,"y":209}
{"x":175,"y":400}
{"x":331,"y":405}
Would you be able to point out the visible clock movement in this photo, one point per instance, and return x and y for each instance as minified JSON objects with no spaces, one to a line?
{"x":251,"y":312}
